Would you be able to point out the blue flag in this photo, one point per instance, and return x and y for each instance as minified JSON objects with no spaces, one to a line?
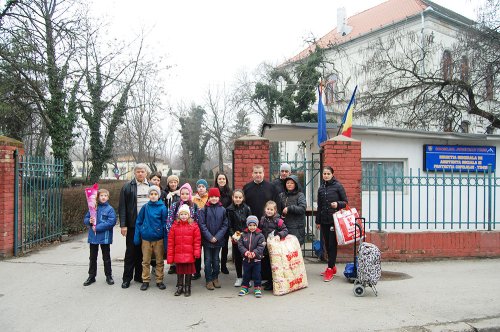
{"x":322,"y":136}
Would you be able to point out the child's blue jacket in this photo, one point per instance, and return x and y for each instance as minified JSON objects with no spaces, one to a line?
{"x":150,"y":222}
{"x":106,"y":220}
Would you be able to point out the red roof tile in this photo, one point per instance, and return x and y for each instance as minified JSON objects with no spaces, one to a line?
{"x":371,"y":19}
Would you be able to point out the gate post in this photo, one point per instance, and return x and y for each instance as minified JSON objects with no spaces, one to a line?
{"x":248,"y":151}
{"x":7,"y":174}
{"x":344,"y":155}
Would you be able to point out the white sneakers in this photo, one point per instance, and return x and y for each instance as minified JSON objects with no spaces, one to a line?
{"x":238,"y":282}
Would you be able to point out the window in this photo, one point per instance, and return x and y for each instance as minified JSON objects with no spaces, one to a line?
{"x":392,"y":175}
{"x":330,"y":89}
{"x":464,"y":70}
{"x":447,"y":65}
{"x":489,"y":83}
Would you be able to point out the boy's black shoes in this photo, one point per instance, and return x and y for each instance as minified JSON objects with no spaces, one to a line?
{"x":89,"y":281}
{"x":161,"y":285}
{"x":196,"y":276}
{"x":171,"y":270}
{"x":126,"y":284}
{"x":144,"y":286}
{"x":109,"y":280}
{"x":224,"y":270}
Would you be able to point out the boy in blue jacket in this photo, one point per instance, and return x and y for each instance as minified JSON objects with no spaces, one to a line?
{"x":213,"y":226}
{"x":101,"y":235}
{"x":150,"y":228}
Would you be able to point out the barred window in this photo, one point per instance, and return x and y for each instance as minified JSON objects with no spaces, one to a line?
{"x":330,"y":90}
{"x":447,"y":65}
{"x":392,"y":175}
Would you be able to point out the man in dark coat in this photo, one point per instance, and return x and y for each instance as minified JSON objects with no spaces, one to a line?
{"x":259,"y":191}
{"x":279,"y":183}
{"x":132,"y":197}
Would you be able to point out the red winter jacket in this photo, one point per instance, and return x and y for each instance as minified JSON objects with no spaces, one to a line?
{"x":184,"y":242}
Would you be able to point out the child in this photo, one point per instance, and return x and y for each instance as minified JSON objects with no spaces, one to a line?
{"x":237,"y":214}
{"x":251,"y":245}
{"x":213,"y":226}
{"x":172,"y":192}
{"x":185,"y":198}
{"x":201,"y":197}
{"x":150,"y":228}
{"x":101,"y":235}
{"x":185,"y":246}
{"x":270,"y":223}
{"x":171,"y":195}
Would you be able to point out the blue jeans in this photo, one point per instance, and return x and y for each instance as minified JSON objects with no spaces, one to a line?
{"x":251,"y":271}
{"x":212,"y":263}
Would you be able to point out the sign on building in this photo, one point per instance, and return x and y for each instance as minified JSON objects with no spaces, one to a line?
{"x":459,"y":158}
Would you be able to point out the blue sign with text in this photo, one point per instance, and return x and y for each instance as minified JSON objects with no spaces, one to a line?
{"x":459,"y":158}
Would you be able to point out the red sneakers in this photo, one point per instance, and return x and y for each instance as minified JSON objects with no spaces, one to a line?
{"x":329,"y":273}
{"x":334,"y":271}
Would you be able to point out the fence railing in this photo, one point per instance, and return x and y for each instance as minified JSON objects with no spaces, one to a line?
{"x":38,"y":185}
{"x":431,"y":200}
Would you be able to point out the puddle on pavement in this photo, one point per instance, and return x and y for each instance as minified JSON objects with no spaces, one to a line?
{"x":1,"y":295}
{"x":391,"y":276}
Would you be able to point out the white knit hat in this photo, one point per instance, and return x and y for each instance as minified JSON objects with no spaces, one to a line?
{"x":184,"y":208}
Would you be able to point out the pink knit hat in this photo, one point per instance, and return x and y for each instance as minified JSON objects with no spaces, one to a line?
{"x":188,"y":187}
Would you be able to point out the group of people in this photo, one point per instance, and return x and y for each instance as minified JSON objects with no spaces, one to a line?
{"x":178,"y":225}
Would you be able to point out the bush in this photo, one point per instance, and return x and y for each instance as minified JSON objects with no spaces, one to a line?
{"x":74,"y":205}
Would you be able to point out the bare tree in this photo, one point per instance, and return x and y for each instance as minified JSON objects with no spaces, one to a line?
{"x":438,"y":85}
{"x":39,"y":41}
{"x":218,"y":120}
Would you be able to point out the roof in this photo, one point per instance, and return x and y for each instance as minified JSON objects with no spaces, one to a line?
{"x":305,"y":131}
{"x":378,"y":17}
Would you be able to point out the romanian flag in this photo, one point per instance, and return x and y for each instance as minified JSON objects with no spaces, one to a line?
{"x":322,"y":136}
{"x":347,"y":119}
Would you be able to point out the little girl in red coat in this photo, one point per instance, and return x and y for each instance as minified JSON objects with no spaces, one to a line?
{"x":184,"y":247}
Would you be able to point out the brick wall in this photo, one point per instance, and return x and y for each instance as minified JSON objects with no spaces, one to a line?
{"x":344,"y":155}
{"x":423,"y":245}
{"x":7,"y":148}
{"x":248,"y":151}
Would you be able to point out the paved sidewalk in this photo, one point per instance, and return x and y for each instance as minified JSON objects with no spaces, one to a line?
{"x":43,"y":291}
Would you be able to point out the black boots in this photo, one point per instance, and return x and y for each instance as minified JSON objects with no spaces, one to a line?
{"x":180,"y":284}
{"x":90,"y":280}
{"x":187,"y":287}
{"x":109,"y":280}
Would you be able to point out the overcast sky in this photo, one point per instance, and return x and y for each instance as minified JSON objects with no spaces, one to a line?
{"x":209,"y":42}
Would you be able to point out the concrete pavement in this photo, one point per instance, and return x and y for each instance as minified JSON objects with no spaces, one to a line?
{"x":43,"y":291}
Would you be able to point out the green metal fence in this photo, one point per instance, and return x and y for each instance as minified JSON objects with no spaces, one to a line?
{"x":431,"y":200}
{"x":309,"y":173}
{"x":38,"y":185}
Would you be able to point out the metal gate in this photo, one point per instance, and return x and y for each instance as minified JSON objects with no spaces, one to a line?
{"x":309,"y":173}
{"x":38,"y":183}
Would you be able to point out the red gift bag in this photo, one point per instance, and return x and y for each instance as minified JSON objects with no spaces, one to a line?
{"x":344,"y":220}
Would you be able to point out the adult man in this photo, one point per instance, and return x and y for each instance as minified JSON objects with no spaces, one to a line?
{"x":279,"y":183}
{"x":132,"y":197}
{"x":259,"y":191}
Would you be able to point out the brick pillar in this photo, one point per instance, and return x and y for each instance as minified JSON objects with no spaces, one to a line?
{"x":248,"y":151}
{"x":7,"y":148}
{"x":344,"y":155}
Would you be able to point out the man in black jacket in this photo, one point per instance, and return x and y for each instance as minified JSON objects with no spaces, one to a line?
{"x":132,"y":197}
{"x":259,"y":191}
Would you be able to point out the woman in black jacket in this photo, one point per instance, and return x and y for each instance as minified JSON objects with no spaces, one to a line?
{"x":331,"y":198}
{"x":292,"y":207}
{"x":222,"y":184}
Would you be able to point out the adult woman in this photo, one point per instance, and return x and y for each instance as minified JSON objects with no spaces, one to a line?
{"x":292,"y":207}
{"x":331,"y":198}
{"x":226,"y":193}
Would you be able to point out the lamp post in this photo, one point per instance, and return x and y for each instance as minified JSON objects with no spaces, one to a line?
{"x":190,"y":171}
